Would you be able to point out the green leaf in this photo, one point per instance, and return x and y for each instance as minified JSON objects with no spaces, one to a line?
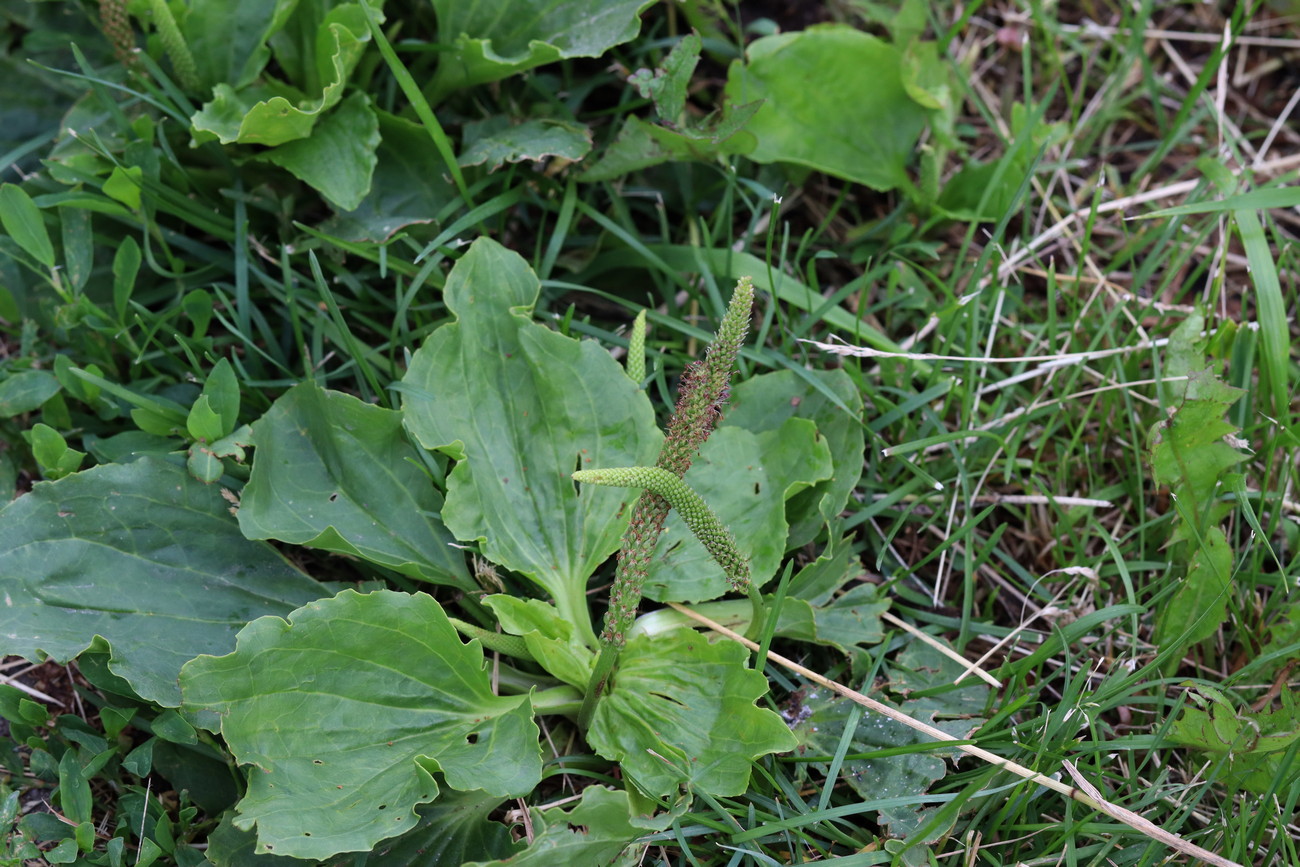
{"x":23,"y":222}
{"x":764,"y":402}
{"x":126,"y":265}
{"x":336,"y":473}
{"x":851,"y":621}
{"x":78,"y":245}
{"x":691,"y":703}
{"x":1268,"y":198}
{"x":26,"y":391}
{"x":124,"y":185}
{"x":347,"y":709}
{"x":338,"y":158}
{"x":552,"y":641}
{"x":228,"y":39}
{"x":834,"y":100}
{"x":495,"y":141}
{"x":143,"y":557}
{"x":204,"y":465}
{"x":222,"y":391}
{"x":203,"y":423}
{"x":520,"y":407}
{"x":273,"y":113}
{"x":593,"y":834}
{"x":744,"y":478}
{"x":487,"y":45}
{"x":640,"y":144}
{"x":1253,"y":743}
{"x":454,"y":829}
{"x":408,"y":186}
{"x":1200,"y":606}
{"x":1188,"y":451}
{"x":52,"y":454}
{"x":668,"y":84}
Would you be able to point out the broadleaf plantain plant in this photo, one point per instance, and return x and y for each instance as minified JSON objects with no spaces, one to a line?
{"x":362,"y":716}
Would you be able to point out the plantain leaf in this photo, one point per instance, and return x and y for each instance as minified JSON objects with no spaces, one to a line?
{"x":333,"y":472}
{"x":806,"y":79}
{"x":519,"y":408}
{"x":488,"y":44}
{"x":347,"y":709}
{"x":764,"y":402}
{"x":681,"y":714}
{"x":592,"y":834}
{"x":140,"y":556}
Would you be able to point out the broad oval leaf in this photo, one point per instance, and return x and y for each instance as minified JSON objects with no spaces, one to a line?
{"x":834,"y":100}
{"x":334,"y":472}
{"x":25,"y":391}
{"x":520,"y":407}
{"x":338,"y":158}
{"x":487,"y":44}
{"x":142,"y":556}
{"x":681,"y":713}
{"x":347,"y":709}
{"x":763,"y":403}
{"x":23,"y":222}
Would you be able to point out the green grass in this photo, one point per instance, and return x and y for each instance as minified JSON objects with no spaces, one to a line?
{"x":1007,"y":505}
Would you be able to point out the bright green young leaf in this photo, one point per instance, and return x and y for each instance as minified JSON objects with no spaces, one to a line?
{"x":691,"y":702}
{"x":203,"y":423}
{"x":23,"y":222}
{"x":408,"y":185}
{"x":273,"y":113}
{"x":52,"y":454}
{"x":124,"y":185}
{"x":338,"y":158}
{"x":488,"y":44}
{"x":142,"y":556}
{"x":520,"y":407}
{"x":222,"y":391}
{"x":347,"y":709}
{"x":495,"y":141}
{"x":834,"y":101}
{"x":553,"y":642}
{"x":744,"y":478}
{"x":26,"y":391}
{"x":593,"y":834}
{"x":228,"y":39}
{"x":334,"y":472}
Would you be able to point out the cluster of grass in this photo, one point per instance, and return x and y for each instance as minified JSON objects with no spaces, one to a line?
{"x":1008,"y":503}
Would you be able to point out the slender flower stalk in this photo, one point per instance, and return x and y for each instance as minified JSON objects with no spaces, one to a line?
{"x":704,"y":389}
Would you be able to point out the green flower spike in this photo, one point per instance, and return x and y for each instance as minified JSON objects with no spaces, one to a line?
{"x":703,"y":390}
{"x":701,"y":520}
